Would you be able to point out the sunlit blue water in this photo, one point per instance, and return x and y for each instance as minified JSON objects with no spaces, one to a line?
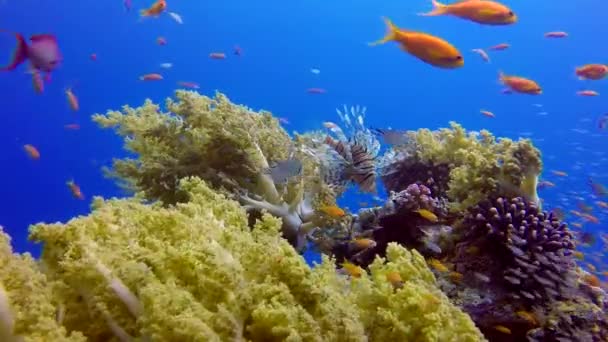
{"x":281,"y":41}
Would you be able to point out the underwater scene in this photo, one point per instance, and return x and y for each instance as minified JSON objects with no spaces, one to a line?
{"x":178,"y":170}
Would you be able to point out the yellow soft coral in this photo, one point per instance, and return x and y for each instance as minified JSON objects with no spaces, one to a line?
{"x":480,"y":165}
{"x":29,"y":310}
{"x":196,"y":272}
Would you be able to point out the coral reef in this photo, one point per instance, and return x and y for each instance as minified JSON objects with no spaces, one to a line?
{"x":463,"y":167}
{"x":227,"y":145}
{"x":195,"y":271}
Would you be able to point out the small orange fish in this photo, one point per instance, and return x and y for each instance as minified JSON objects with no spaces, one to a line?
{"x":545,"y":184}
{"x":587,"y":93}
{"x":602,"y":204}
{"x":591,"y":267}
{"x":591,"y":280}
{"x":484,"y":55}
{"x":332,"y":211}
{"x":579,"y":255}
{"x":395,"y":279}
{"x":191,"y":85}
{"x":482,"y":12}
{"x":500,"y":47}
{"x":75,"y":190}
{"x":427,"y":214}
{"x":520,"y":84}
{"x":502,"y":329}
{"x":592,"y":71}
{"x":487,"y":113}
{"x":427,"y":48}
{"x":353,"y":270}
{"x":72,"y":100}
{"x":576,"y":213}
{"x":37,"y":81}
{"x":556,"y":34}
{"x":590,"y":218}
{"x":456,"y":277}
{"x":528,"y":316}
{"x":155,"y":10}
{"x":362,"y":244}
{"x":31,"y":151}
{"x":72,"y":127}
{"x":161,"y":41}
{"x":438,"y":266}
{"x":151,"y":77}
{"x":217,"y":55}
{"x":559,"y":173}
{"x":577,"y":224}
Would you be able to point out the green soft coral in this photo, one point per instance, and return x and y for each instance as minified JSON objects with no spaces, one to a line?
{"x":480,"y":165}
{"x":195,"y":271}
{"x":29,"y":309}
{"x":211,"y":138}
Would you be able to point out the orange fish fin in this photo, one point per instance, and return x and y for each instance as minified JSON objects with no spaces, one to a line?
{"x":391,"y":31}
{"x":438,"y":9}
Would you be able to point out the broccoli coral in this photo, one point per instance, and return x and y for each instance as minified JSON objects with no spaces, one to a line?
{"x":211,"y":138}
{"x":195,"y":271}
{"x":479,"y":166}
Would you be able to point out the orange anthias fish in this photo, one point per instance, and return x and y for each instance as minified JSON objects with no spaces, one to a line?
{"x":559,"y":173}
{"x":429,"y":49}
{"x":587,"y":93}
{"x":31,"y":151}
{"x":72,"y":99}
{"x":520,"y":84}
{"x":155,"y":10}
{"x":332,"y":211}
{"x":482,"y":12}
{"x":151,"y":77}
{"x":75,"y":190}
{"x":487,"y":113}
{"x":217,"y":55}
{"x":500,"y":47}
{"x":556,"y":34}
{"x":592,"y":71}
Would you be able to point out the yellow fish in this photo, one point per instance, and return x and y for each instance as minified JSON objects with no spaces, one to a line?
{"x":428,"y":215}
{"x":333,"y":211}
{"x":353,"y":270}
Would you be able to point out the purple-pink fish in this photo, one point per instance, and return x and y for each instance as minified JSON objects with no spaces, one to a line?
{"x":42,"y":52}
{"x":127,"y":4}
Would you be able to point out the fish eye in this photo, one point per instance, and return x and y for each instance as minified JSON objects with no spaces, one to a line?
{"x":458,"y":58}
{"x":510,"y":14}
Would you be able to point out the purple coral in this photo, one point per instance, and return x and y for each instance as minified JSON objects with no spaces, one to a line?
{"x":398,"y":221}
{"x":532,"y":248}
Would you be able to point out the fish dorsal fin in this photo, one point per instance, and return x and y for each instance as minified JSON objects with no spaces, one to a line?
{"x":42,"y":37}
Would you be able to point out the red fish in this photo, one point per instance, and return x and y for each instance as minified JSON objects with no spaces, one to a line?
{"x":72,"y":127}
{"x":587,"y":93}
{"x":93,"y":57}
{"x":556,"y":34}
{"x":72,"y":99}
{"x":155,"y":10}
{"x":75,"y":190}
{"x":42,"y":52}
{"x":217,"y":55}
{"x":151,"y":77}
{"x":316,"y":91}
{"x":191,"y":85}
{"x":161,"y":41}
{"x":237,"y":50}
{"x":500,"y":47}
{"x":37,"y":82}
{"x":31,"y":151}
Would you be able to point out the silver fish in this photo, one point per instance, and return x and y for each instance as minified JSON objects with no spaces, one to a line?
{"x":283,"y":170}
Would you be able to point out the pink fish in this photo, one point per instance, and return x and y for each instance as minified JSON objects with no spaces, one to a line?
{"x":316,"y":91}
{"x":43,"y":53}
{"x":127,"y":4}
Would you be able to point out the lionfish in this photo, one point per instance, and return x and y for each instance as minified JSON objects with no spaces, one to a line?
{"x":351,"y":159}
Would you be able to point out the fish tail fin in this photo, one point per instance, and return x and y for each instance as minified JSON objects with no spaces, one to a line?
{"x":391,"y":29}
{"x":501,"y":77}
{"x":438,"y":9}
{"x":20,"y":54}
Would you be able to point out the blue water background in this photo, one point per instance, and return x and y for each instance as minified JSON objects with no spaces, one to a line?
{"x":281,"y":41}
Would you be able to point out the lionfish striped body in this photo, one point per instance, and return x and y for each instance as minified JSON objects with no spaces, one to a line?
{"x":354,"y":158}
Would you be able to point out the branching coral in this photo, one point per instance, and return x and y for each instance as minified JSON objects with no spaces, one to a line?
{"x":478,"y":165}
{"x":195,"y":271}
